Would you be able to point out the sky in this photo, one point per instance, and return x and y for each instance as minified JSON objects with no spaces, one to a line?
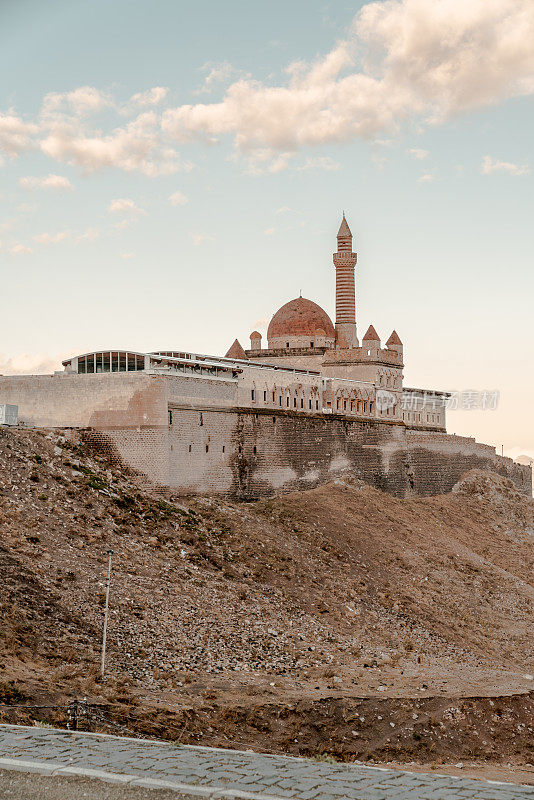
{"x":171,"y":173}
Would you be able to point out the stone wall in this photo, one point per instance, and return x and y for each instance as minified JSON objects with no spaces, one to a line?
{"x":438,"y":460}
{"x":249,"y":454}
{"x":109,"y":400}
{"x":70,"y":400}
{"x":189,"y":434}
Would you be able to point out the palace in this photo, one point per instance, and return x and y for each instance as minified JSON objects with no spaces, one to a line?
{"x":364,"y":380}
{"x":313,"y":405}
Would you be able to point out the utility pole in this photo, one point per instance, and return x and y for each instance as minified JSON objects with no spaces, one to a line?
{"x":110,"y":553}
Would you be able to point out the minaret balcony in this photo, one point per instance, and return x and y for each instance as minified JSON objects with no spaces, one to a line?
{"x":345,"y":258}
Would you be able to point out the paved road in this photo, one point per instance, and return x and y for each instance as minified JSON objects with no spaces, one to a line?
{"x":28,"y":786}
{"x":228,"y":774}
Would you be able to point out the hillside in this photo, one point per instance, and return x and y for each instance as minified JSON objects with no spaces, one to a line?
{"x":339,"y":620}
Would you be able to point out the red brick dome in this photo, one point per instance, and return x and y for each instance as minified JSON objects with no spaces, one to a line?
{"x":300,"y":317}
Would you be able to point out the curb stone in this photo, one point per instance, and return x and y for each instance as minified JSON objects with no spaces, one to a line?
{"x":55,"y":770}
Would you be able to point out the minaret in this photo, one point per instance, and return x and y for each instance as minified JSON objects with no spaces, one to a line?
{"x":344,"y":262}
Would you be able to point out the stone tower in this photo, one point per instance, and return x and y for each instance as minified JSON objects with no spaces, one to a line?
{"x":345,"y":262}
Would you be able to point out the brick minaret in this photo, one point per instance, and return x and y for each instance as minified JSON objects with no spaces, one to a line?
{"x":344,"y":262}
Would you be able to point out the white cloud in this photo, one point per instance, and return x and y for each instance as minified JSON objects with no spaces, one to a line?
{"x":178,"y":199}
{"x":81,"y":102}
{"x":321,"y":162}
{"x":20,"y":249}
{"x":286,"y":210}
{"x":200,"y":238}
{"x":267,"y":160}
{"x":135,"y":146}
{"x":418,"y":153}
{"x":30,"y":364}
{"x":269,"y":231}
{"x":25,"y":208}
{"x":125,"y":206}
{"x":424,"y":59}
{"x":217,"y":73}
{"x":490,"y":165}
{"x":89,"y":235}
{"x":152,"y":97}
{"x":123,"y":224}
{"x":127,"y":256}
{"x":47,"y":182}
{"x":15,"y":134}
{"x":402,"y":61}
{"x":426,"y":178}
{"x":51,"y":238}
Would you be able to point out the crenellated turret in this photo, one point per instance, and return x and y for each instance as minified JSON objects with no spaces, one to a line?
{"x":394,"y":343}
{"x":371,"y":342}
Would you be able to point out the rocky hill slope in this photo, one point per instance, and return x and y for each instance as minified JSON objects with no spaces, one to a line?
{"x":339,"y":620}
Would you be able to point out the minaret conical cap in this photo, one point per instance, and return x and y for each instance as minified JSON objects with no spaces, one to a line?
{"x":344,"y":229}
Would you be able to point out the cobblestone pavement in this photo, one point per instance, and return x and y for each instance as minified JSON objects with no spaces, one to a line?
{"x":214,"y":773}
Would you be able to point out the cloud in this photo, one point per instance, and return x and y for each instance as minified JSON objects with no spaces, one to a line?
{"x":426,"y":178}
{"x":217,"y":73}
{"x":401,"y":62}
{"x":418,"y":153}
{"x":268,"y":160}
{"x":286,"y":210}
{"x":80,"y":102}
{"x":127,"y":256}
{"x":125,"y":206}
{"x":424,"y":60}
{"x":135,"y":146}
{"x":178,"y":199}
{"x":152,"y":97}
{"x":490,"y":165}
{"x":20,"y":250}
{"x":320,"y":162}
{"x":123,"y":224}
{"x":51,"y":238}
{"x":89,"y":235}
{"x":30,"y":364}
{"x":269,"y":231}
{"x":200,"y":238}
{"x":15,"y":134}
{"x":48,"y":182}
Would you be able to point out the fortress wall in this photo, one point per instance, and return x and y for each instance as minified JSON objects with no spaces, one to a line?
{"x":145,"y":450}
{"x":108,"y":400}
{"x":437,"y":461}
{"x":71,"y":400}
{"x":285,"y":452}
{"x":251,"y":454}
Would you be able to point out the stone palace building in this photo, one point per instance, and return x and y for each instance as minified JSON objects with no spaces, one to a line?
{"x":315,"y":403}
